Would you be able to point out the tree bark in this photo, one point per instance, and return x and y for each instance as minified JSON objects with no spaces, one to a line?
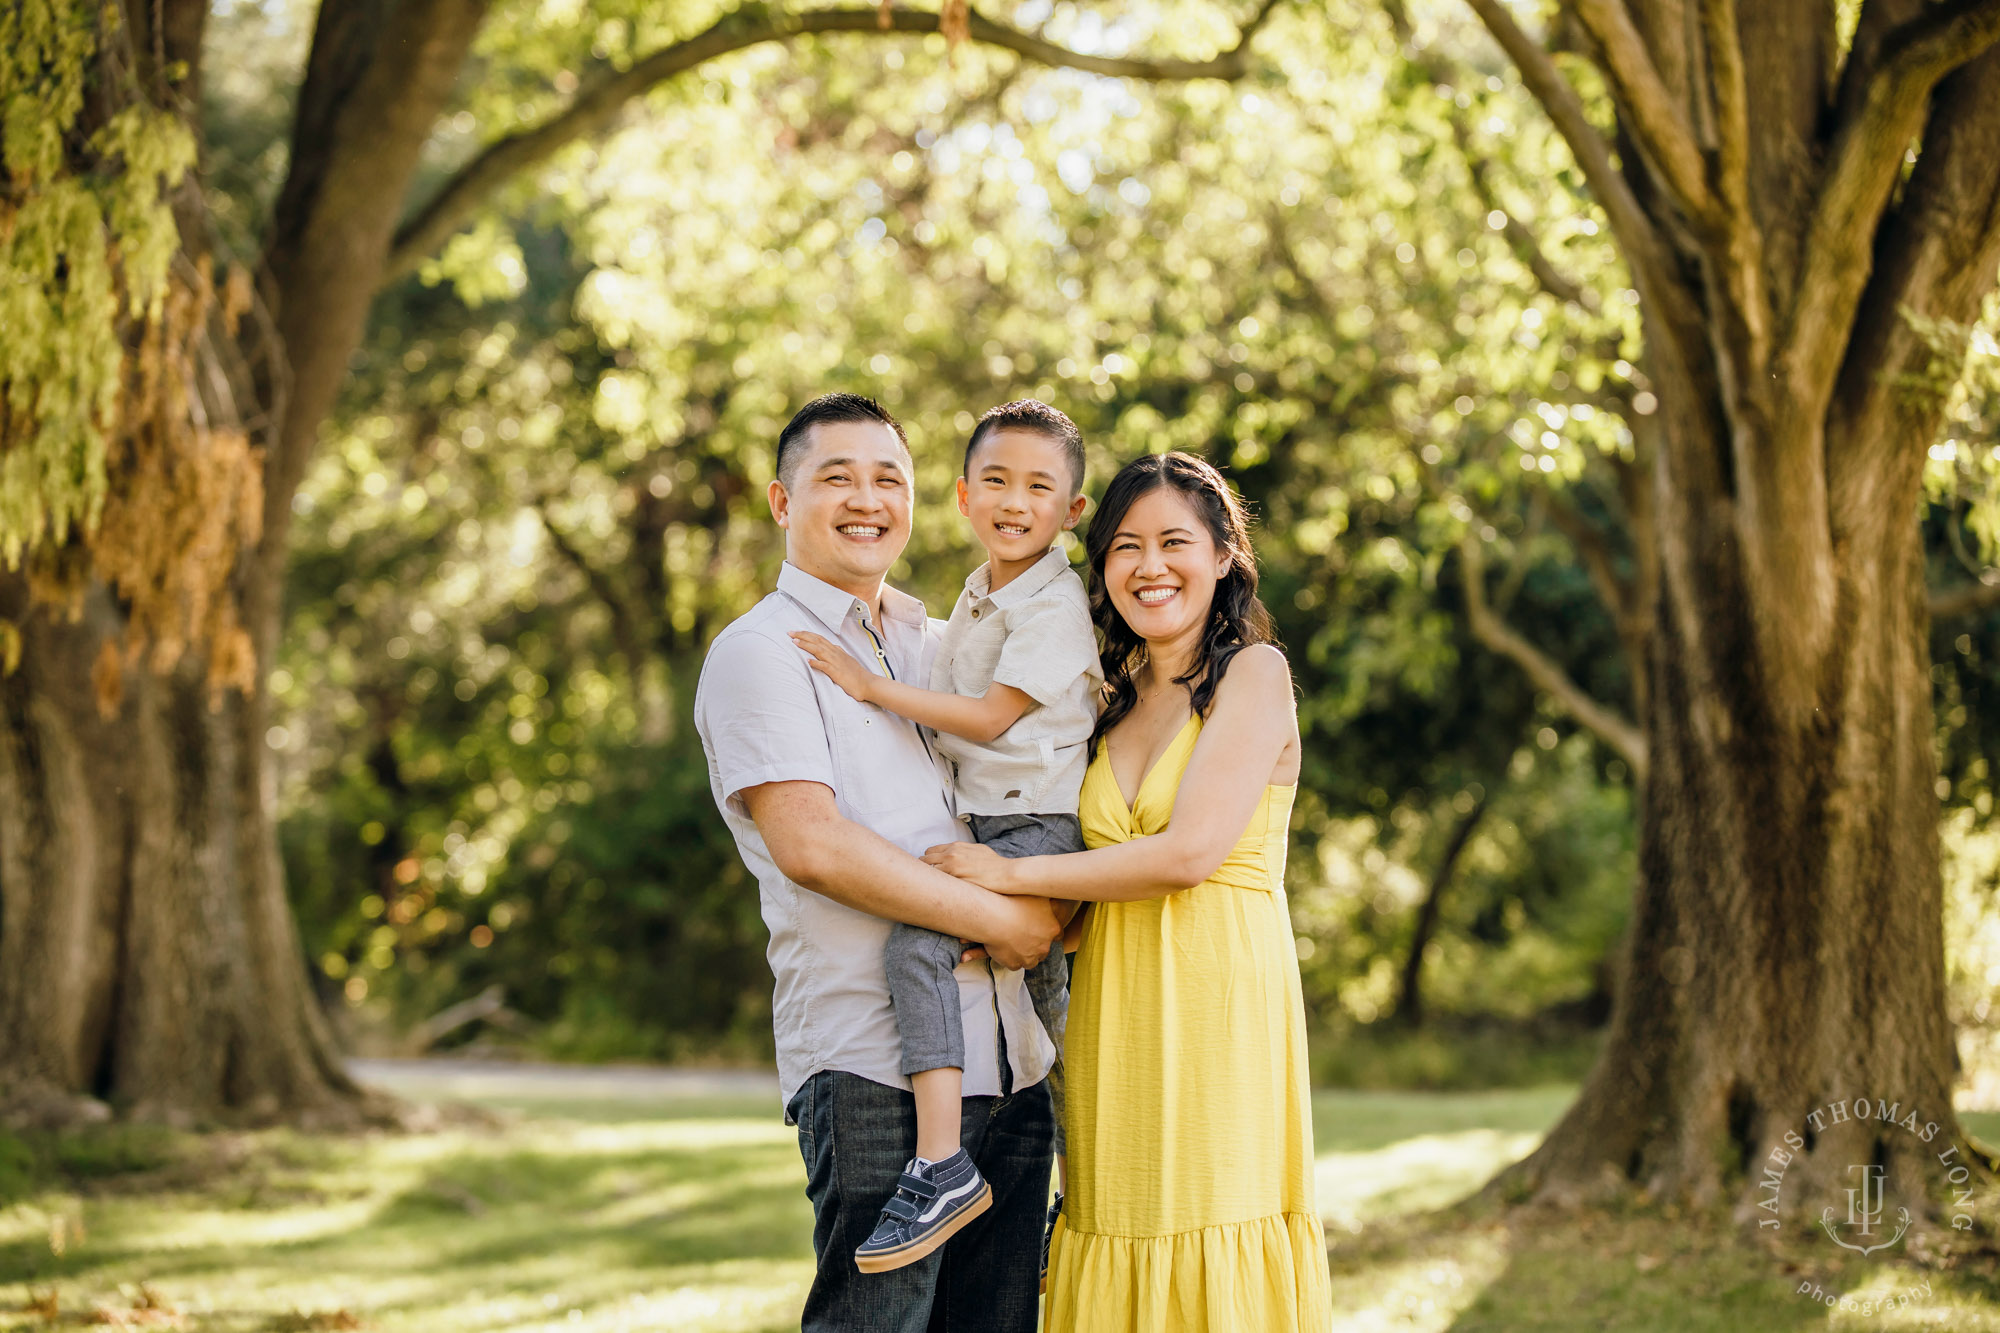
{"x":148,"y":956}
{"x":149,"y":962}
{"x":1786,"y":947}
{"x":142,"y":962}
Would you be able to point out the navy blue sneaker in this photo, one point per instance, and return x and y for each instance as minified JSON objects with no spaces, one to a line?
{"x":1048,"y":1235}
{"x":932,"y":1201}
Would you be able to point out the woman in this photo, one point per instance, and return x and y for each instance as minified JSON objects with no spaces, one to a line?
{"x":1190,"y":1131}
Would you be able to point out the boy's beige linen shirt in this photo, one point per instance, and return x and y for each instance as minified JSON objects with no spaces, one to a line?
{"x":765,"y":716}
{"x":1035,"y":634}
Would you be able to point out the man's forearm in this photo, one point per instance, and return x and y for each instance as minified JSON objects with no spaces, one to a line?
{"x":863,"y":870}
{"x":817,"y":848}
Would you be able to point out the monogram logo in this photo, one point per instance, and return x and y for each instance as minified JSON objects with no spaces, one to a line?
{"x":1864,"y":1214}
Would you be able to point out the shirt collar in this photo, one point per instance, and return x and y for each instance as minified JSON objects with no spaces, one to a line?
{"x":1025,"y":585}
{"x":832,"y":605}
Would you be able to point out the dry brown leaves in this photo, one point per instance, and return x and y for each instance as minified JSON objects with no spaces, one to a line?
{"x":147,"y":1311}
{"x":316,"y":1323}
{"x":186,"y":497}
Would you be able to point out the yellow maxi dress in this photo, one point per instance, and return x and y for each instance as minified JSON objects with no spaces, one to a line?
{"x":1190,"y":1204}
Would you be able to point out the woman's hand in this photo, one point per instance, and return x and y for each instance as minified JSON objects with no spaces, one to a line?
{"x":836,"y":664}
{"x":976,"y":865}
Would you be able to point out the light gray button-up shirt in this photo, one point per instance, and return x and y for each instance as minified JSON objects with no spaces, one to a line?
{"x":765,"y":716}
{"x":1035,"y":634}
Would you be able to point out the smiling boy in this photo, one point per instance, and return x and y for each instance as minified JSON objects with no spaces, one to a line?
{"x":1012,"y":702}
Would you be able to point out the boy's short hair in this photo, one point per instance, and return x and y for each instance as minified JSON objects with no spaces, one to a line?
{"x":1034,"y":415}
{"x":794,"y":439}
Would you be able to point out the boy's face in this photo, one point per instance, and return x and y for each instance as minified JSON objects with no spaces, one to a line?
{"x":1019,"y":494}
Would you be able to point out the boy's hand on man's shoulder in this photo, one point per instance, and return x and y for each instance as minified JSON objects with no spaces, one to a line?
{"x":835,"y":663}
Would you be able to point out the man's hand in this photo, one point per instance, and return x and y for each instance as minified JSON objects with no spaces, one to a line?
{"x":831,"y":855}
{"x":1033,"y":931}
{"x":836,"y":664}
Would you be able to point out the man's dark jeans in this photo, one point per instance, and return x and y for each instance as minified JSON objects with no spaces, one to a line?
{"x":856,"y":1135}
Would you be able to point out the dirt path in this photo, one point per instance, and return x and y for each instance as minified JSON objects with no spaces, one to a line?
{"x":478,"y":1080}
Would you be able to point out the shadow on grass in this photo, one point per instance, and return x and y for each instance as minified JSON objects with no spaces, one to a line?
{"x":692,"y":1217}
{"x":690,"y":1222}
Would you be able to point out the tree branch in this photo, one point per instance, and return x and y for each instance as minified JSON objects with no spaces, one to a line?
{"x":1964,"y":600}
{"x":1935,"y":260}
{"x":1440,"y":71}
{"x":1652,"y":273}
{"x":1591,"y":547}
{"x":595,"y":107}
{"x":1737,"y":246}
{"x":1862,"y":168}
{"x":1649,"y":112}
{"x":1544,"y":671}
{"x":625,"y":629}
{"x":1520,"y":238}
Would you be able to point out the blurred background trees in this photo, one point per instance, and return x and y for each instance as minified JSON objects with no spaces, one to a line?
{"x":1365,"y":277}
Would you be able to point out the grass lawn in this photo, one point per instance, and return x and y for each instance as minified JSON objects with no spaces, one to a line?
{"x":687,"y":1214}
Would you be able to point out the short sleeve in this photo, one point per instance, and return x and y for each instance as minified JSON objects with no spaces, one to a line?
{"x":1050,"y":642}
{"x":759,"y":717}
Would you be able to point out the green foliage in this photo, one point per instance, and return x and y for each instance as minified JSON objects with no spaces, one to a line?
{"x":530,"y":519}
{"x":86,"y":241}
{"x":543,"y":492}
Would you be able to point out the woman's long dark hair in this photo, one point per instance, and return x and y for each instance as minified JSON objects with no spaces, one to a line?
{"x":1236,"y":619}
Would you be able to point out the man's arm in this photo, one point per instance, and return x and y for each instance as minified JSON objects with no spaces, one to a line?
{"x":815,"y":847}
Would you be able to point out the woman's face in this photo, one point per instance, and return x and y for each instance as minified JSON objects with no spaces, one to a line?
{"x":1162,"y":567}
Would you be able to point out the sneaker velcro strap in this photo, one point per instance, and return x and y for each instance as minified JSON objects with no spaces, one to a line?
{"x":918,"y":1186}
{"x":901,"y":1209}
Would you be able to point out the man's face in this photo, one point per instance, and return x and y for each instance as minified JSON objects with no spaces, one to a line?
{"x":846,"y":515}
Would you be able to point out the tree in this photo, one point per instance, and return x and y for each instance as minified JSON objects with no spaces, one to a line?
{"x":551,"y":465}
{"x":147,"y":954}
{"x":1801,"y":210}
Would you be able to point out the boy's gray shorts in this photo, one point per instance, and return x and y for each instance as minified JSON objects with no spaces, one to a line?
{"x":920,"y":962}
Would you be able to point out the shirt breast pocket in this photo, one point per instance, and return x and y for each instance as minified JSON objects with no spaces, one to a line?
{"x":886,"y":771}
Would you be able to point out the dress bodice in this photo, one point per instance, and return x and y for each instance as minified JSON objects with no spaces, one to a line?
{"x":1257,"y":861}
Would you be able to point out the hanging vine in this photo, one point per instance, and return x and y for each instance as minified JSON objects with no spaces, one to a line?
{"x":124,"y":457}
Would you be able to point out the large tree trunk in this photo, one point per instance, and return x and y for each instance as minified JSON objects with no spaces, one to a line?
{"x":147,"y":954}
{"x":149,"y":962}
{"x":1786,"y":950}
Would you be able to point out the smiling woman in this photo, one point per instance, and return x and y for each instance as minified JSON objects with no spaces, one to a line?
{"x":1191,"y":1189}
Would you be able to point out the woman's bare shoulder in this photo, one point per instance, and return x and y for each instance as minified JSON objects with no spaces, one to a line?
{"x":1259,"y":668}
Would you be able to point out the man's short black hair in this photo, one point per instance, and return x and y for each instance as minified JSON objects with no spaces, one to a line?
{"x":1035,"y":415}
{"x":795,"y":439}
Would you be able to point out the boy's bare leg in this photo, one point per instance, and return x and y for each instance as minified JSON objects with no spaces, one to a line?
{"x":938,"y":1093}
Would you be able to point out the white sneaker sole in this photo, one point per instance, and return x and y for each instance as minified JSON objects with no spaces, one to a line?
{"x":884,"y":1261}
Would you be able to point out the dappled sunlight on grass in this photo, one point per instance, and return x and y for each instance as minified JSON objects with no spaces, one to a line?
{"x":1425,"y":1172}
{"x":628,"y":1215}
{"x":1381,"y":1153}
{"x":698,"y":1224}
{"x":1422,"y":1292}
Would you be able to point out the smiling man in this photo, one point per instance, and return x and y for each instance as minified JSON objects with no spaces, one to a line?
{"x":832,"y":801}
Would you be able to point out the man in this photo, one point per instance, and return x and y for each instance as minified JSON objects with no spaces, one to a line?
{"x":831,"y":803}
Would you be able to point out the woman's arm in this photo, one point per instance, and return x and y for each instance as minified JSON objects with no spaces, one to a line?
{"x":981,"y":719}
{"x":1246,"y":732}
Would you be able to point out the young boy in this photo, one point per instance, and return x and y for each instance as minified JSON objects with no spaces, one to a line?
{"x":1012,"y":702}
